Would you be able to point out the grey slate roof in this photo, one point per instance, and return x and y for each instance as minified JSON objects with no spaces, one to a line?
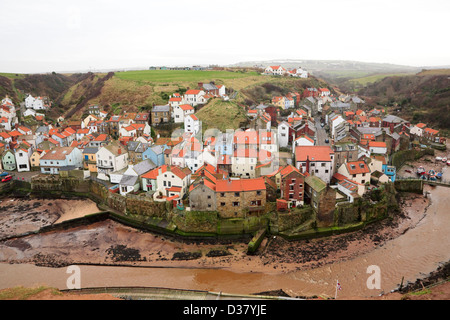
{"x":209,"y":86}
{"x":128,"y":180}
{"x":90,"y":150}
{"x":144,"y":166}
{"x":165,"y":108}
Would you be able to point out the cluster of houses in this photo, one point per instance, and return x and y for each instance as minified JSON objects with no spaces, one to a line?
{"x":281,"y":71}
{"x":276,"y":158}
{"x":181,"y":108}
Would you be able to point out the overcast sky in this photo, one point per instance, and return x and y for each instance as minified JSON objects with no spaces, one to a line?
{"x":45,"y":36}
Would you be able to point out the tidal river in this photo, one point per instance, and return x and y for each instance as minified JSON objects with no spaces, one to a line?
{"x":412,"y":255}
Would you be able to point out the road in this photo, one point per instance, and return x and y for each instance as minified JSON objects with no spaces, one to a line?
{"x":321,"y":134}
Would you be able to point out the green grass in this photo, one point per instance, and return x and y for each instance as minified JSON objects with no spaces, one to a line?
{"x":21,"y":293}
{"x":376,"y":77}
{"x":12,"y":75}
{"x":180,"y":75}
{"x":222,"y":115}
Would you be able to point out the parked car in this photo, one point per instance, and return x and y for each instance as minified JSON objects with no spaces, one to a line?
{"x":4,"y":174}
{"x":7,"y":178}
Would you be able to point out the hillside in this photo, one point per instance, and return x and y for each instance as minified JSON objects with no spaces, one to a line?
{"x":222,"y":115}
{"x":424,"y":97}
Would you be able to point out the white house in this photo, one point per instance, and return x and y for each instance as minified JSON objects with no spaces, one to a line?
{"x":61,"y":157}
{"x":316,"y":160}
{"x":275,"y":70}
{"x":357,"y":171}
{"x":378,"y":147}
{"x":244,"y":162}
{"x":302,"y":141}
{"x":192,"y":96}
{"x":182,"y":111}
{"x":222,"y":90}
{"x":111,"y":158}
{"x":283,"y":134}
{"x":192,"y":124}
{"x":23,"y":154}
{"x":130,"y":181}
{"x":173,"y":182}
{"x":418,"y":129}
{"x":35,"y":103}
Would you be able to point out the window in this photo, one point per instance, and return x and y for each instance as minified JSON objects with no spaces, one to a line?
{"x":236,"y":194}
{"x":209,"y":197}
{"x":222,"y":204}
{"x":235,"y":204}
{"x":258,"y":193}
{"x":222,"y":194}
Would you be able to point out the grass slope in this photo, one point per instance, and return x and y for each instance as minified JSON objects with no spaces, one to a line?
{"x":222,"y":115}
{"x":166,"y":76}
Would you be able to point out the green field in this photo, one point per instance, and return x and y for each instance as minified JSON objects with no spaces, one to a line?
{"x":165,"y":76}
{"x":376,"y":77}
{"x":12,"y":75}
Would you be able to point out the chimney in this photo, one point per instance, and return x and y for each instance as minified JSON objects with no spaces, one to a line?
{"x":119,"y":151}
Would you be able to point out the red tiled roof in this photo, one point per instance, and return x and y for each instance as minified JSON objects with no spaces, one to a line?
{"x":313,"y":153}
{"x":378,"y":144}
{"x":192,"y":91}
{"x":357,"y":167}
{"x":240,"y":185}
{"x":186,"y":107}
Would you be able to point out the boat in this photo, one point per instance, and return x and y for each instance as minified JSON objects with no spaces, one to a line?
{"x":421,"y":170}
{"x":438,"y":159}
{"x":448,"y":162}
{"x":444,"y":159}
{"x":439,"y":175}
{"x":432,"y":175}
{"x":114,"y":189}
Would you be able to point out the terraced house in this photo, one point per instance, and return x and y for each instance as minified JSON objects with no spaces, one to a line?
{"x":240,"y":198}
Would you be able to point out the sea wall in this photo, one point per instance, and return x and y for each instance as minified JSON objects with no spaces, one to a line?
{"x":410,"y":185}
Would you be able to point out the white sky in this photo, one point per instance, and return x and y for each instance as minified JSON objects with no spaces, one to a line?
{"x":51,"y":35}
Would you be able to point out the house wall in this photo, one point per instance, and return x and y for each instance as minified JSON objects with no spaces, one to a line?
{"x":202,"y":198}
{"x":231,"y":205}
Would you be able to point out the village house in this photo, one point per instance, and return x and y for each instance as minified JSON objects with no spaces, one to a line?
{"x":344,"y":152}
{"x":291,"y":182}
{"x":111,"y":158}
{"x":357,"y":171}
{"x":23,"y":154}
{"x":135,"y":151}
{"x":9,"y":160}
{"x":240,"y":198}
{"x":131,"y":178}
{"x":38,"y":103}
{"x":315,"y":160}
{"x":36,"y":157}
{"x":180,"y":112}
{"x":173,"y":182}
{"x":192,"y":124}
{"x":90,"y":159}
{"x":275,"y":70}
{"x":349,"y":187}
{"x":194,"y":97}
{"x":155,"y":153}
{"x":202,"y":195}
{"x":160,"y":114}
{"x":418,"y":129}
{"x":322,"y":199}
{"x":61,"y":158}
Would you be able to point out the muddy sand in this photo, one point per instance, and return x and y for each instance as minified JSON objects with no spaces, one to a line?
{"x":110,"y":243}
